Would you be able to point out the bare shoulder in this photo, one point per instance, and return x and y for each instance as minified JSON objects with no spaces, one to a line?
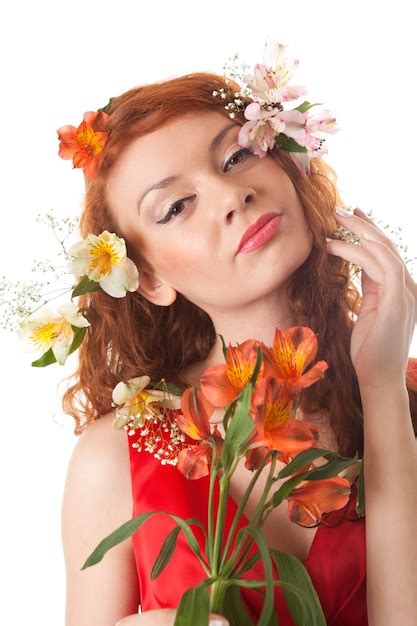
{"x":97,"y":499}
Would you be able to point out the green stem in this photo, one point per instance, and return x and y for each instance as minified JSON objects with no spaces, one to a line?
{"x":217,"y":591}
{"x":229,"y":568}
{"x":221,"y":513}
{"x":241,"y":508}
{"x":213,"y":474}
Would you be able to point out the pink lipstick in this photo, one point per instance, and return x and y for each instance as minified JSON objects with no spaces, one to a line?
{"x":260,"y":232}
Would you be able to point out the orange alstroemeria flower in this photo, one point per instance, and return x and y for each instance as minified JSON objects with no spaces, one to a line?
{"x":293,"y":349}
{"x":221,"y":383}
{"x":84,"y":145}
{"x":196,"y":410}
{"x":306,"y":504}
{"x":411,"y":375}
{"x":275,"y":428}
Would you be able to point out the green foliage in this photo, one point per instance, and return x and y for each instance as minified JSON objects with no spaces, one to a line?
{"x":85,"y":285}
{"x":194,"y":607}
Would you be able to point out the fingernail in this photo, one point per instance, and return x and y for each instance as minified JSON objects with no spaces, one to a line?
{"x":329,"y":239}
{"x":343,"y":212}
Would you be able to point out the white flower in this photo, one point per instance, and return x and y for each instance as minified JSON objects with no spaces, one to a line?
{"x":138,"y":401}
{"x":103,"y":259}
{"x":46,"y":330}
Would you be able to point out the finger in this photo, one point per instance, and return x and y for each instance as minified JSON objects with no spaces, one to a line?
{"x":359,"y":256}
{"x":358,"y":225}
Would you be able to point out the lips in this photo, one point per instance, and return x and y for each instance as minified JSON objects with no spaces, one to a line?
{"x":253,"y":228}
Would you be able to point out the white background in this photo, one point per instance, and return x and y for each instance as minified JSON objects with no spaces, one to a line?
{"x":60,"y":59}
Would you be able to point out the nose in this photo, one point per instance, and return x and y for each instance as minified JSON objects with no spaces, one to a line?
{"x":234,"y":198}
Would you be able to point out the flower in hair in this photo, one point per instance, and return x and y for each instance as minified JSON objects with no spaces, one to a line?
{"x":268,"y":124}
{"x":84,"y":145}
{"x":102,"y":259}
{"x":56,"y":336}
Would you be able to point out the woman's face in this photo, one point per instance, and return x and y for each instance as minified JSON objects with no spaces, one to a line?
{"x":194,"y":251}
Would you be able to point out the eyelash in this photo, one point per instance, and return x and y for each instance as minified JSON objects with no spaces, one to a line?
{"x":170,"y":213}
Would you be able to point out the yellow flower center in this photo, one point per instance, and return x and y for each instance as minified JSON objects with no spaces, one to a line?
{"x":275,"y":415}
{"x":44,"y":336}
{"x":89,"y":140}
{"x":102,"y":257}
{"x":239,"y":374}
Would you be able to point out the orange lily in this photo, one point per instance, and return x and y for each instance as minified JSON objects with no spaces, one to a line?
{"x":293,"y":349}
{"x":84,"y":145}
{"x":194,"y":421}
{"x":306,"y":504}
{"x":275,"y":428}
{"x":411,"y":376}
{"x":221,"y":383}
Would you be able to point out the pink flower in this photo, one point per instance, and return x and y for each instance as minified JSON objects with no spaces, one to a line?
{"x":259,"y":133}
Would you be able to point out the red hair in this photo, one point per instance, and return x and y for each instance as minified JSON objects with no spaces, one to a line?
{"x":131,"y":336}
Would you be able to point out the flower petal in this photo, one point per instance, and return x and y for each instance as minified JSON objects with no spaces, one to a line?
{"x":122,"y":278}
{"x":306,"y":504}
{"x":62,"y":345}
{"x":72,"y":315}
{"x":194,"y":462}
{"x":216,"y":386}
{"x":196,"y":412}
{"x":125,"y":391}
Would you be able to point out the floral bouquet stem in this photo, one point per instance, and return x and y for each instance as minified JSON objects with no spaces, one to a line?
{"x":259,"y":425}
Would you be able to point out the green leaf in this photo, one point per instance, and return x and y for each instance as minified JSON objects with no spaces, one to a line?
{"x":163,"y":385}
{"x":288,"y":143}
{"x":304,"y":106}
{"x":234,"y":607}
{"x":194,"y":607}
{"x":165,"y":553}
{"x":223,"y":346}
{"x":307,"y":456}
{"x":128,"y":528}
{"x":48,"y":357}
{"x":169,"y":544}
{"x":361,"y":492}
{"x":330,"y":469}
{"x":259,"y":359}
{"x":286,"y":488}
{"x":117,"y":536}
{"x":268,"y":605}
{"x":85,"y":285}
{"x":240,"y":428}
{"x":291,"y":570}
{"x":274,"y":617}
{"x":250,"y":562}
{"x":79,"y":334}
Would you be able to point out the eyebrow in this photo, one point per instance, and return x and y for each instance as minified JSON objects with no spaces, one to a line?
{"x":165,"y":182}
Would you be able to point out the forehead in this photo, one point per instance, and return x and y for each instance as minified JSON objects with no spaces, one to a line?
{"x":166,"y":144}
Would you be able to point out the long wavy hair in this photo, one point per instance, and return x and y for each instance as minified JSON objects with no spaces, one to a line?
{"x":131,"y":336}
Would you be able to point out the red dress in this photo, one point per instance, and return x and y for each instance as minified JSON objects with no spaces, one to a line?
{"x":336,"y":561}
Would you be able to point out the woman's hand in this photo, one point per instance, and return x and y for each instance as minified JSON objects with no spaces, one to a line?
{"x":383,"y":331}
{"x":164,"y":617}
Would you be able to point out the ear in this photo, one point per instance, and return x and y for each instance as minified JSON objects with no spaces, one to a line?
{"x":155,"y":290}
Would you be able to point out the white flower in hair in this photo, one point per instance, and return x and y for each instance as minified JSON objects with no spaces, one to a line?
{"x":102,"y":258}
{"x":54,"y":333}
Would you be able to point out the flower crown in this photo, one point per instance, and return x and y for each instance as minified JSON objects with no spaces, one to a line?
{"x":268,"y":124}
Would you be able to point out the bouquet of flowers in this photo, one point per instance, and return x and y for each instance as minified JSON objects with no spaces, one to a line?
{"x":258,"y":387}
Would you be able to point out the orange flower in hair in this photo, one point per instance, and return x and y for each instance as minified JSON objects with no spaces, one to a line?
{"x":84,"y":145}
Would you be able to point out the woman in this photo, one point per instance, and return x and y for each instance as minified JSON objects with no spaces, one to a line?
{"x":197,"y":281}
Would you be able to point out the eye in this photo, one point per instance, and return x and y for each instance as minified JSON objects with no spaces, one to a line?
{"x":237,"y":153}
{"x":171,"y":211}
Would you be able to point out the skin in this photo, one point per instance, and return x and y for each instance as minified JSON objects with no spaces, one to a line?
{"x":195,"y":252}
{"x":245,"y":294}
